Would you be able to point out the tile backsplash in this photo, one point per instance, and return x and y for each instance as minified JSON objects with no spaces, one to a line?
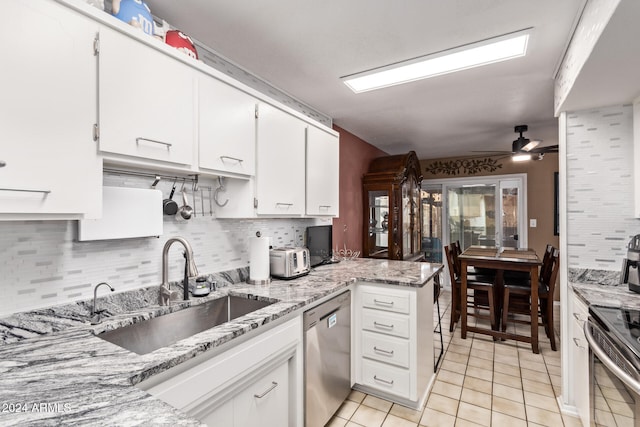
{"x":600,"y":187}
{"x":43,"y":264}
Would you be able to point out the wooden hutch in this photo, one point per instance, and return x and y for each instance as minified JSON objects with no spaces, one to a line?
{"x":392,"y":216}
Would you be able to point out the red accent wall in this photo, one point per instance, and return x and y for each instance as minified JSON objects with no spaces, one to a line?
{"x":355,"y":156}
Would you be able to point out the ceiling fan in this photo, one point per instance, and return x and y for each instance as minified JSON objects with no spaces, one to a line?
{"x":524,"y":148}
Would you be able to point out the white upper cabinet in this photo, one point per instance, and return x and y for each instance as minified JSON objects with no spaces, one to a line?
{"x":323,"y":166}
{"x":146,"y":102}
{"x":48,"y":162}
{"x":280,"y":180}
{"x":227,"y":129}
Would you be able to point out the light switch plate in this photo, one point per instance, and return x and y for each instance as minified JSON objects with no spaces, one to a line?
{"x":533,"y":223}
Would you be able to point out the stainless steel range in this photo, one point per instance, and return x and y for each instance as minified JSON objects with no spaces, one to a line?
{"x":613,"y":334}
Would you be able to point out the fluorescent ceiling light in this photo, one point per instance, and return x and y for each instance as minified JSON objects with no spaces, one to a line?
{"x":490,"y":51}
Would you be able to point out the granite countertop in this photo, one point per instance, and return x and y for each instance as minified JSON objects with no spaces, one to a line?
{"x":65,"y":374}
{"x":602,"y":287}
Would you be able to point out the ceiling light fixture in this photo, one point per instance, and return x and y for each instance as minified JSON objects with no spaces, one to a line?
{"x":521,"y":157}
{"x":489,"y":51}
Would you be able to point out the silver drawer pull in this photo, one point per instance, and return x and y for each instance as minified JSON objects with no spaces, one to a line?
{"x":385,"y":352}
{"x":3,"y":163}
{"x":382,"y":325}
{"x":237,"y":160}
{"x":389,"y":303}
{"x":138,"y":139}
{"x":284,"y":204}
{"x":273,"y":385}
{"x":375,"y":377}
{"x":576,"y":341}
{"x":21,"y":190}
{"x":578,"y":317}
{"x":324,"y":206}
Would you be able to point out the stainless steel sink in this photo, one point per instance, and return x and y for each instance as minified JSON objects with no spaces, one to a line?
{"x":152,"y":334}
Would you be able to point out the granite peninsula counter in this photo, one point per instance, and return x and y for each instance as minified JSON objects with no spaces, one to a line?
{"x":70,"y":376}
{"x":602,"y":287}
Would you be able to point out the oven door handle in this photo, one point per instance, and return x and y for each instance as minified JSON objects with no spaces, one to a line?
{"x":629,"y":381}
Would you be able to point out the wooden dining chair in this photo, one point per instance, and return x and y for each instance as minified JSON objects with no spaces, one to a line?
{"x":437,"y":288}
{"x":517,"y":295}
{"x":477,"y":283}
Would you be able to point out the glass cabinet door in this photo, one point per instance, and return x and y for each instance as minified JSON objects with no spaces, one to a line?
{"x":411,"y":235}
{"x":378,"y":246}
{"x":416,"y":219}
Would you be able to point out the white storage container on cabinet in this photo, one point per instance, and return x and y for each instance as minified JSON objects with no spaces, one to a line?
{"x":323,"y":170}
{"x":146,"y":102}
{"x":280,"y":180}
{"x":49,"y":167}
{"x":226,"y":123}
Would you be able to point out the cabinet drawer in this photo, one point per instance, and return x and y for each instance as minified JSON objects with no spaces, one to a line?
{"x":380,"y":301}
{"x":386,"y":349}
{"x":386,"y":378}
{"x":385,"y":323}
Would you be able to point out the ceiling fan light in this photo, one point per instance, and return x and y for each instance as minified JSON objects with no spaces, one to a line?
{"x":521,"y":157}
{"x":531,"y":145}
{"x":496,"y":49}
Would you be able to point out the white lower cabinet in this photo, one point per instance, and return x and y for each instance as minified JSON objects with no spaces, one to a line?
{"x":266,"y":402}
{"x":256,"y":383}
{"x":393,"y":333}
{"x":263,"y":403}
{"x":49,"y":168}
{"x":579,"y":356}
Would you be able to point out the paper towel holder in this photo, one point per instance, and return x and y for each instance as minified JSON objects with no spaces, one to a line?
{"x":259,"y":282}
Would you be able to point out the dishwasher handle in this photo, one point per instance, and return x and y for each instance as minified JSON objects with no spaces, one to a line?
{"x":315,"y":315}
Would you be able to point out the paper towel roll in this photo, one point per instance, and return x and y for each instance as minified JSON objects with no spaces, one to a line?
{"x":258,"y":259}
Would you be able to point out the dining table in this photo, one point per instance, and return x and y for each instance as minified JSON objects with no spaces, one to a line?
{"x":501,"y":259}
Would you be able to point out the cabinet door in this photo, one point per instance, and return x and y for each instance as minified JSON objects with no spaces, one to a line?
{"x":280,"y":180}
{"x":323,"y":171}
{"x":221,"y":416}
{"x":227,"y":128}
{"x":265,"y":403}
{"x":579,"y":355}
{"x":146,"y":101}
{"x":378,"y":219}
{"x":48,"y":160}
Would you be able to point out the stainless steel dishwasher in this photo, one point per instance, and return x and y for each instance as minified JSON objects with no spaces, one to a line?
{"x":327,"y":368}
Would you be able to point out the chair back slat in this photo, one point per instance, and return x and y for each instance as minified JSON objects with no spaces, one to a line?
{"x":546,"y":261}
{"x":451,"y":264}
{"x":551,"y":276}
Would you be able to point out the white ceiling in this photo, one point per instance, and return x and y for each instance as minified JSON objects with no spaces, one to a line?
{"x":303,"y":47}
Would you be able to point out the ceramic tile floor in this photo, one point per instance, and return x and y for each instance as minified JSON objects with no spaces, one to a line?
{"x":503,"y":384}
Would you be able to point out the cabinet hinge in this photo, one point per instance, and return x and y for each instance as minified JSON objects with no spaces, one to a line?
{"x":256,"y":111}
{"x":255,"y":203}
{"x":96,"y":45}
{"x":96,"y":132}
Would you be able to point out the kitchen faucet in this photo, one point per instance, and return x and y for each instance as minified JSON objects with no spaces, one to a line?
{"x":95,"y":316}
{"x":190,"y":269}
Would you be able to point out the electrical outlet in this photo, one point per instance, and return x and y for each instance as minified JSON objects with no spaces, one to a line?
{"x":533,"y":223}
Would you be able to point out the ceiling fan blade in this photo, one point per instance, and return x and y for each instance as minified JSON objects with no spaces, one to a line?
{"x":547,"y":149}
